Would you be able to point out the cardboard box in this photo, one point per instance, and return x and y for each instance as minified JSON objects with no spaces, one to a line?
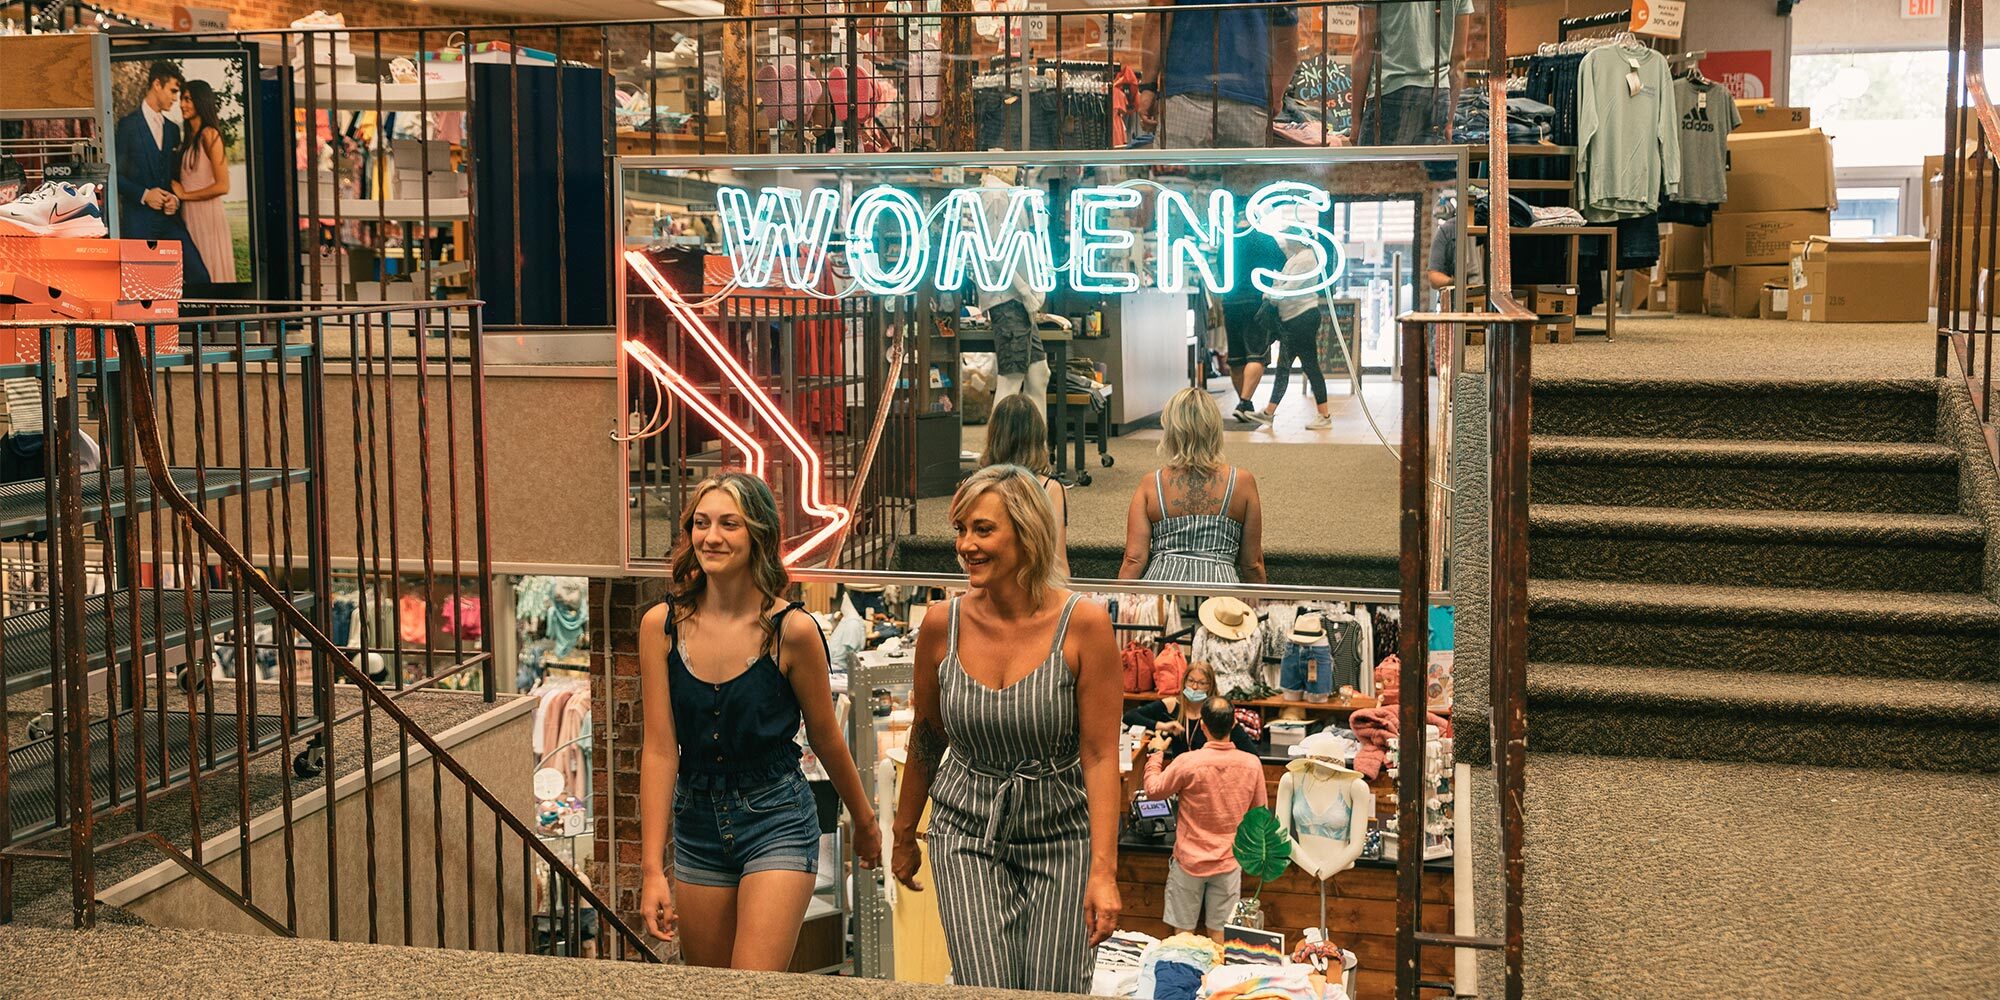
{"x":166,"y":336}
{"x":1880,"y":279}
{"x":1772,"y":304}
{"x":149,"y":269}
{"x":1771,"y":118}
{"x":1759,"y":237}
{"x":1736,"y":291}
{"x":1681,"y":250}
{"x":1548,"y":300}
{"x":1969,"y":260}
{"x":1780,"y":172}
{"x":1678,"y":295}
{"x":1557,"y":332}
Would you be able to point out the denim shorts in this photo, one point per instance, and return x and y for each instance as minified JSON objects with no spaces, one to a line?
{"x":1292,"y":673}
{"x":724,"y":834}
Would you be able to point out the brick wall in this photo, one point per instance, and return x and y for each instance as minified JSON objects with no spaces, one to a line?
{"x":614,"y":711}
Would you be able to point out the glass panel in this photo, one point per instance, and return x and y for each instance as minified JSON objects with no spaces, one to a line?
{"x":1868,"y":211}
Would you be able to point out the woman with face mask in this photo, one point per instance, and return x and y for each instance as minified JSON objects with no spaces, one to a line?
{"x":730,"y":670}
{"x":1178,"y":716}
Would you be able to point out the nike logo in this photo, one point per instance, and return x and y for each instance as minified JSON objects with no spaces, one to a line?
{"x":65,"y":216}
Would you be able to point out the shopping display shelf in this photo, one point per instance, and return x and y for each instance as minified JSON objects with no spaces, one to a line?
{"x":436,"y":95}
{"x":1348,"y":705}
{"x":25,"y":661}
{"x":33,"y":795}
{"x":24,"y":505}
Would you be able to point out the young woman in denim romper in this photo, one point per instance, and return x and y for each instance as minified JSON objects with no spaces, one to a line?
{"x":729,"y":672}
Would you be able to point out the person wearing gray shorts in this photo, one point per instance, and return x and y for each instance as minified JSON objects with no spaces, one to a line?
{"x":1216,"y":785}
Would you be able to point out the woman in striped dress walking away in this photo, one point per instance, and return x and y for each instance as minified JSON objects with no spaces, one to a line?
{"x":1177,"y":529}
{"x":1015,"y":744}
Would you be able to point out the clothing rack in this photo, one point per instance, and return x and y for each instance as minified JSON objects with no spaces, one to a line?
{"x":1604,"y":20}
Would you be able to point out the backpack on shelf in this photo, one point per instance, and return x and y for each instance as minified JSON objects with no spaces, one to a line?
{"x":1139,"y":668}
{"x":1169,"y":666}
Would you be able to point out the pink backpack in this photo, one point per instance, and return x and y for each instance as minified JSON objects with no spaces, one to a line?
{"x":1139,"y":669}
{"x":1169,"y":666}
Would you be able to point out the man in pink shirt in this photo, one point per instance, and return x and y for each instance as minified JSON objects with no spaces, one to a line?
{"x":1217,"y":784}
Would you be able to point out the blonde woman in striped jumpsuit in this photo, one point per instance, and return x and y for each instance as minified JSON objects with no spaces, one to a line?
{"x":1015,"y":742}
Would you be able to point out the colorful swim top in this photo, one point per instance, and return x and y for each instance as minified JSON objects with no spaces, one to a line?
{"x":1331,"y":822}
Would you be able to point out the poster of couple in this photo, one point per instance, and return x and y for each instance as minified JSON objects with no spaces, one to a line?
{"x":182,"y":136}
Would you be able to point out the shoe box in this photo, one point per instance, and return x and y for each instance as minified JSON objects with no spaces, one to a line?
{"x":66,"y":280}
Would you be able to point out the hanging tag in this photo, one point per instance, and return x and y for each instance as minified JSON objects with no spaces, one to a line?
{"x":1701,"y":101}
{"x":1633,"y":84}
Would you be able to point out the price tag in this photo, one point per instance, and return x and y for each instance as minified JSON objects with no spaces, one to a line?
{"x":1633,"y":83}
{"x":1701,"y":100}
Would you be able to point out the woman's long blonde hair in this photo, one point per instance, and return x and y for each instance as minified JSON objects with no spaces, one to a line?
{"x":1034,"y":522}
{"x":767,"y":565}
{"x":1192,"y":431}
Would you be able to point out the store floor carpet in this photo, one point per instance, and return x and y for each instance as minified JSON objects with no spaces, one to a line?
{"x":1329,"y":513}
{"x":1705,"y":347}
{"x":1665,"y":879}
{"x":43,"y":964}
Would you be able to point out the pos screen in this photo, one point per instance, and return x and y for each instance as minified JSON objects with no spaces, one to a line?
{"x":1151,"y":809}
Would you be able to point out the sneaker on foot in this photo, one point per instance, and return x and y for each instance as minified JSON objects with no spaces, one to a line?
{"x":55,"y":209}
{"x":1258,"y":417}
{"x":1320,"y":422}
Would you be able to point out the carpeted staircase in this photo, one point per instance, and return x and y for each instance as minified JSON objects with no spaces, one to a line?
{"x":1778,"y":572}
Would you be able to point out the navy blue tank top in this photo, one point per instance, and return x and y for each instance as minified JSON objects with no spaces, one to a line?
{"x":739,"y":733}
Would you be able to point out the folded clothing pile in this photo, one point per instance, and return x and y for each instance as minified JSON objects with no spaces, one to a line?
{"x":1117,"y":970}
{"x":1173,"y":968}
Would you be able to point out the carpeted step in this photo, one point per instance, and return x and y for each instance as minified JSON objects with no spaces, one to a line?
{"x":1630,"y":711}
{"x":1763,"y":475}
{"x":1839,"y":632}
{"x":1859,"y":410}
{"x":1902,"y":552}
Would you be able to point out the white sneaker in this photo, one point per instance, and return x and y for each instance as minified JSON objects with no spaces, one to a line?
{"x":1320,"y":422}
{"x":55,"y":209}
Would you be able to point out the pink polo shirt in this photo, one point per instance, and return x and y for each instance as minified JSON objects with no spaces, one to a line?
{"x":1217,"y":785}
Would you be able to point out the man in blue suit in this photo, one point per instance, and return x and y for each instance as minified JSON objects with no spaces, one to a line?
{"x":148,"y":145}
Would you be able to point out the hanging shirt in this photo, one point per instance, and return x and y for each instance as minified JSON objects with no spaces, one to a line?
{"x":1708,"y":115}
{"x":1628,"y":133}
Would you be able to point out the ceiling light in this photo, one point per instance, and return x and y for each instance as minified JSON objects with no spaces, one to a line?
{"x":698,"y":8}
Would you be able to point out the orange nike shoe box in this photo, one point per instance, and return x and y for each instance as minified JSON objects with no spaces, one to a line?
{"x":149,"y":270}
{"x":97,"y":269}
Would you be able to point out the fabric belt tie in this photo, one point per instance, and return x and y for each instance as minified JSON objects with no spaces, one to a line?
{"x":1012,"y":782}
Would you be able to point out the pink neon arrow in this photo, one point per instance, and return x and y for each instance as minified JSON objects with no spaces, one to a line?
{"x":789,"y":436}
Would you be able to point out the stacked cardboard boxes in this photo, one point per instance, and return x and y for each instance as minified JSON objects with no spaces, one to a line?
{"x":69,"y":280}
{"x":1780,"y":193}
{"x":424,"y":167}
{"x":1676,"y":286}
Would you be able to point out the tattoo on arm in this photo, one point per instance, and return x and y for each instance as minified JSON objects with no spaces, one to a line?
{"x":927,"y":745}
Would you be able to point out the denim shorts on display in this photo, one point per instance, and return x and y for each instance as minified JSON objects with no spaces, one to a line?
{"x":1292,"y":673}
{"x":723,"y":834}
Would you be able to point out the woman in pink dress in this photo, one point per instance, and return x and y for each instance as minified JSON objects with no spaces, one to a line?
{"x":204,"y":179}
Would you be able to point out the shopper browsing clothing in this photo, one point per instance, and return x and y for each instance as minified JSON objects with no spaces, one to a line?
{"x":1178,"y":716}
{"x":1247,"y":324}
{"x":728,"y":673}
{"x":1023,"y":686}
{"x":1409,"y":65}
{"x":1216,"y":784}
{"x":1198,"y":519}
{"x":1016,"y":434}
{"x":1215,"y":78}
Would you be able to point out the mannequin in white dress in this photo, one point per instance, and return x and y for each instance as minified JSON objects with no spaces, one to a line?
{"x":1324,"y":807}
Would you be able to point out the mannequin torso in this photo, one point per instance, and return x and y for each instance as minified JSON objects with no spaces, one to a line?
{"x":1324,"y":810}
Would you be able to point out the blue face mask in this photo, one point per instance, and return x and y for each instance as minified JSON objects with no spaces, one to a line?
{"x":1195,"y":695}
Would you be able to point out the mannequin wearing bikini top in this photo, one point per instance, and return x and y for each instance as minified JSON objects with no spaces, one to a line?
{"x":1324,"y":809}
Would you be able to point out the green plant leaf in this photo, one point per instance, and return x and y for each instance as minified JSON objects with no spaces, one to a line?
{"x":1261,"y":847}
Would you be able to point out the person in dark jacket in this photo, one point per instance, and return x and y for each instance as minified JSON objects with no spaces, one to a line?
{"x":147,"y":140}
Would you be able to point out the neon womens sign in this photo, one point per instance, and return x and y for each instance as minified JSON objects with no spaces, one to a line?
{"x":994,"y":236}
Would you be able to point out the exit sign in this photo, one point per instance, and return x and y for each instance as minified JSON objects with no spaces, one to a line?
{"x":1914,"y":10}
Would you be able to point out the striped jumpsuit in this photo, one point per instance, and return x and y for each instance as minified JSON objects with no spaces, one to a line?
{"x":1195,"y":548}
{"x":1010,"y":827}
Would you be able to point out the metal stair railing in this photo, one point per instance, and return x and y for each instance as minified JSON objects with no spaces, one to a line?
{"x":1969,"y":216}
